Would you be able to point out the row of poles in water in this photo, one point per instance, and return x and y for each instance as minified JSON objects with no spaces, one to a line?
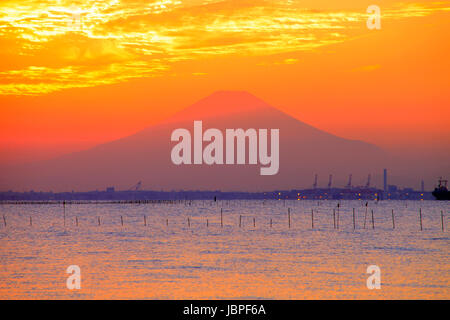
{"x":336,"y":219}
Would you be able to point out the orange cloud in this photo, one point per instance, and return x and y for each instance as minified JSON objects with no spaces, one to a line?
{"x":56,"y":45}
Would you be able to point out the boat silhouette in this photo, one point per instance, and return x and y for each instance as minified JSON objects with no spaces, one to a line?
{"x":441,"y":192}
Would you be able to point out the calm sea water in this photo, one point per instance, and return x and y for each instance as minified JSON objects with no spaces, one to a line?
{"x":167,"y":259}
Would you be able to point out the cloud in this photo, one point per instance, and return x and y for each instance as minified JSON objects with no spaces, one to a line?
{"x":113,"y":41}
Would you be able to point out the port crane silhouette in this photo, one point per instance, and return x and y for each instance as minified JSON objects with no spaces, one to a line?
{"x":368,"y":182}
{"x":330,"y":181}
{"x":136,"y":187}
{"x":349,"y":184}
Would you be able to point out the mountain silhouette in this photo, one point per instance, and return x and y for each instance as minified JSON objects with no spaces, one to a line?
{"x":146,"y":155}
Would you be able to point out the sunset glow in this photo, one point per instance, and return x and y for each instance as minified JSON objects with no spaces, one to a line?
{"x":77,"y":73}
{"x":224,"y":150}
{"x":57,"y":45}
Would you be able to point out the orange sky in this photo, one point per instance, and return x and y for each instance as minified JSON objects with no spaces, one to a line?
{"x":69,"y":84}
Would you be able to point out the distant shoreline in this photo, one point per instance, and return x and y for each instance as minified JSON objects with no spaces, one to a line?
{"x":142,"y":196}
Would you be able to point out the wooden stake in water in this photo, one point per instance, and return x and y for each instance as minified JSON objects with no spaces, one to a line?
{"x":221,"y":218}
{"x":270,"y":222}
{"x":254,"y":223}
{"x":31,"y":222}
{"x":207,"y":223}
{"x":4,"y":220}
{"x":76,"y":220}
{"x":289,"y":218}
{"x":312,"y":218}
{"x":338,"y":215}
{"x":393,"y":219}
{"x":365,"y":217}
{"x":240,"y":221}
{"x":98,"y":218}
{"x":373,"y":221}
{"x":167,"y":222}
{"x":354,"y":222}
{"x":420,"y":218}
{"x":189,"y":223}
{"x":145,"y":220}
{"x":121,"y":220}
{"x":442,"y":220}
{"x":334,"y":218}
{"x":64,"y":212}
